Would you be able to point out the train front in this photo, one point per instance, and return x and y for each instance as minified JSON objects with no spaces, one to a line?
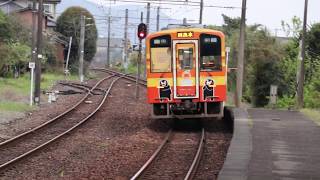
{"x":186,"y":73}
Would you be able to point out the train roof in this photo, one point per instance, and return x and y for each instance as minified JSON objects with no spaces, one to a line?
{"x":170,"y":31}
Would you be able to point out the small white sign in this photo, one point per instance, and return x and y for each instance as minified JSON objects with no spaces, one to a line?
{"x":32,"y":65}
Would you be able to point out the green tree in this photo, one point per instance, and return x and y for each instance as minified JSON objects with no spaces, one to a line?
{"x":263,"y":55}
{"x":5,"y":29}
{"x":313,"y":38}
{"x":14,"y":44}
{"x":68,"y":24}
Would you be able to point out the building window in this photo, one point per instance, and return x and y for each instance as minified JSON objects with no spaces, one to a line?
{"x":47,"y":8}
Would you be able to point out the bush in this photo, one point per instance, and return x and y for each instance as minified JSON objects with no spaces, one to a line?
{"x":285,"y":102}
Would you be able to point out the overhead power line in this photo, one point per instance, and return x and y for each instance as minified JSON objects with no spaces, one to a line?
{"x":177,"y":3}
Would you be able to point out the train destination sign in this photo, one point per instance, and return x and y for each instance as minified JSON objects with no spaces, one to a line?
{"x":185,"y":34}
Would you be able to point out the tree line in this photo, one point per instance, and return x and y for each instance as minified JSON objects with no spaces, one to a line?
{"x":16,"y":40}
{"x":269,"y":61}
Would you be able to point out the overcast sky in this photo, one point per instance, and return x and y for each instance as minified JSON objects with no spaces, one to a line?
{"x":266,"y":12}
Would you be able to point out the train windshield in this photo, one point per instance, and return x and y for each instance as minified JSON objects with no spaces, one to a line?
{"x":210,"y":52}
{"x":185,"y":58}
{"x":161,"y":54}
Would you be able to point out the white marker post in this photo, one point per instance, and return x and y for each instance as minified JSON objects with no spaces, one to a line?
{"x":32,"y":65}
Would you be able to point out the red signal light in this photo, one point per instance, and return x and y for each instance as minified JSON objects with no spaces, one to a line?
{"x":142,"y":31}
{"x":141,"y":35}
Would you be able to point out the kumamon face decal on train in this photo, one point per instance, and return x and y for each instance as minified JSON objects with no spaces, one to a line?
{"x":164,"y":90}
{"x":208,"y":89}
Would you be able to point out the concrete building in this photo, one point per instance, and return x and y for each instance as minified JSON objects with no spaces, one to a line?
{"x":9,"y":6}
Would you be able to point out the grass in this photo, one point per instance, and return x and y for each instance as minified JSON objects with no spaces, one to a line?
{"x":14,"y":106}
{"x":19,"y":90}
{"x":313,"y":114}
{"x":22,"y":85}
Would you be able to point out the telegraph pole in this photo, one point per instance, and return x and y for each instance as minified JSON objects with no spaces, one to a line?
{"x":37,"y":91}
{"x":158,"y":18}
{"x":148,"y":17}
{"x":34,"y":30}
{"x":139,"y":62}
{"x":303,"y":56}
{"x":125,"y":48}
{"x":201,"y":12}
{"x":108,"y":43}
{"x":81,"y":55}
{"x":148,"y":27}
{"x":240,"y":63}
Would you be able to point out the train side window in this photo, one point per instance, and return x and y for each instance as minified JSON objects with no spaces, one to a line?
{"x":210,"y":53}
{"x":161,"y":59}
{"x":160,"y":49}
{"x":185,"y":58}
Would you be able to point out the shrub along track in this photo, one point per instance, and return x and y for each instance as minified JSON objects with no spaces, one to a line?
{"x":29,"y":142}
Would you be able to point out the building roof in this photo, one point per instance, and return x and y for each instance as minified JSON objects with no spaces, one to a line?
{"x":52,"y":1}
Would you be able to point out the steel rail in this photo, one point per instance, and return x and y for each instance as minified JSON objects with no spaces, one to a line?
{"x":75,"y":86}
{"x":57,"y":117}
{"x":197,"y":157}
{"x":151,"y":159}
{"x":127,"y":76}
{"x":64,"y":133}
{"x":133,"y":78}
{"x":82,"y":87}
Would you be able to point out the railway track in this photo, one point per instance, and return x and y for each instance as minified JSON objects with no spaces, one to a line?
{"x":155,"y":158}
{"x":125,"y":76}
{"x":27,"y":143}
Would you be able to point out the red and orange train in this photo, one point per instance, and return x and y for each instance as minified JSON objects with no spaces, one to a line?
{"x":186,"y":73}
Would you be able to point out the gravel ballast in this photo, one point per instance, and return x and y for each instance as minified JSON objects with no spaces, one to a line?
{"x":113,"y":144}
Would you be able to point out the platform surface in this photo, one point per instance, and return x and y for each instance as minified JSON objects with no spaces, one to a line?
{"x":282,"y":145}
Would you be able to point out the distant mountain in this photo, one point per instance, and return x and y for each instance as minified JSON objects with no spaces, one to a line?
{"x":118,"y":13}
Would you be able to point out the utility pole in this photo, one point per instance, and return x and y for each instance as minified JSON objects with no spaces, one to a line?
{"x":37,"y":91}
{"x":201,"y":12}
{"x":303,"y":56}
{"x":125,"y":48}
{"x":148,"y":17}
{"x":139,"y":62}
{"x":158,"y":18}
{"x":34,"y":30}
{"x":108,"y":43}
{"x":81,"y":51}
{"x":68,"y":57}
{"x":33,"y":48}
{"x":148,"y":27}
{"x":240,"y":63}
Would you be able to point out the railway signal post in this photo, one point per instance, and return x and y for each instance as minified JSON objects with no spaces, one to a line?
{"x":142,"y":33}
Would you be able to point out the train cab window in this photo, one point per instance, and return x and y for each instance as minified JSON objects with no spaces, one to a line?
{"x":160,"y":54}
{"x":210,"y":53}
{"x":185,"y":58}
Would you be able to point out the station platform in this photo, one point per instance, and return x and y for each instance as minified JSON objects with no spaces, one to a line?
{"x":272,"y":144}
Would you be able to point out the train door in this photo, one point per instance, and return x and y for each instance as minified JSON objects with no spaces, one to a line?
{"x":186,"y":70}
